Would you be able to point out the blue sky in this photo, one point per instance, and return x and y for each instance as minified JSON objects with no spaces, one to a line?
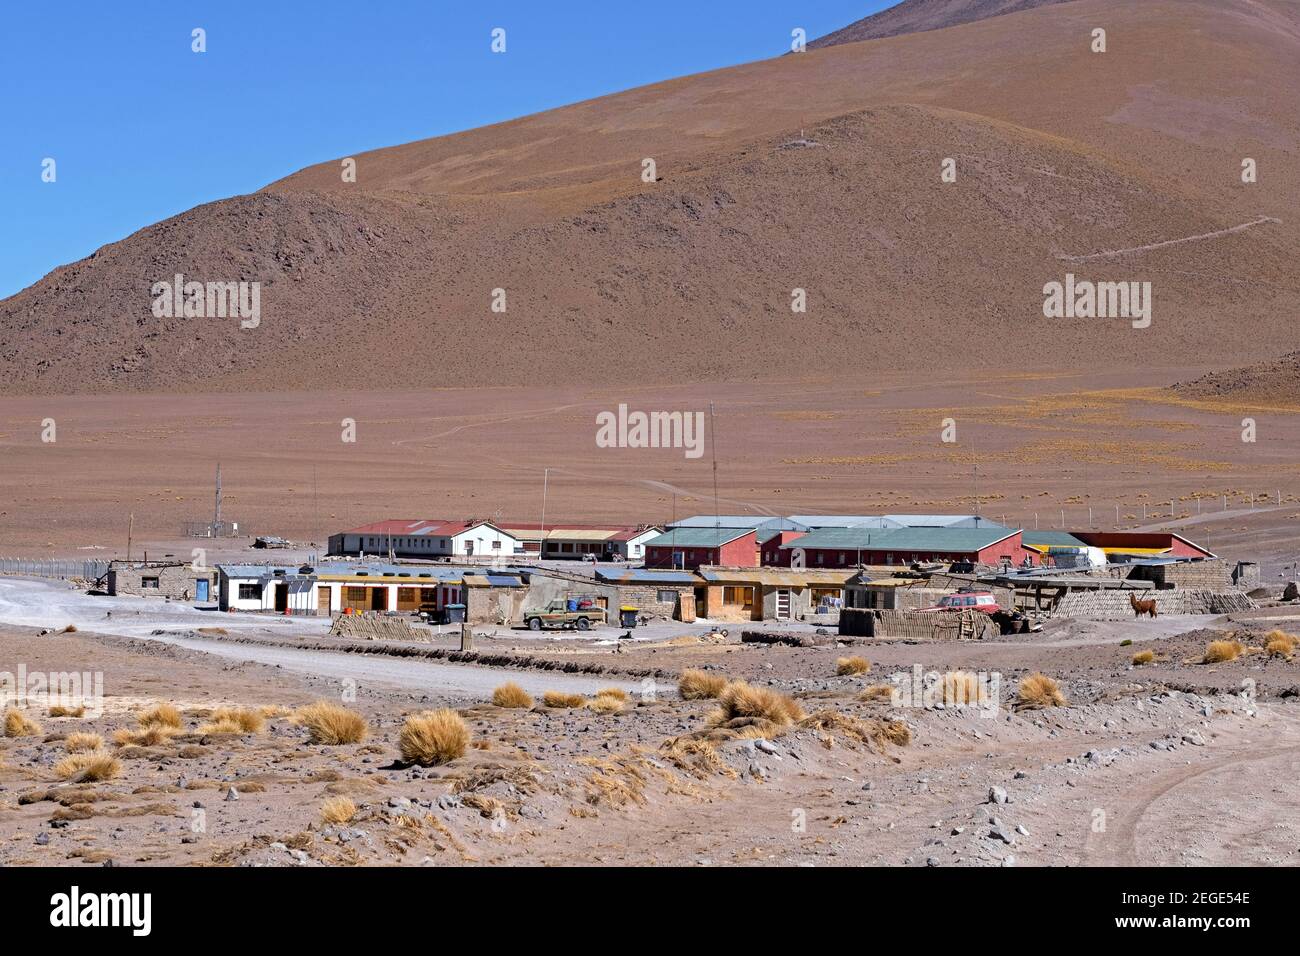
{"x":142,"y":128}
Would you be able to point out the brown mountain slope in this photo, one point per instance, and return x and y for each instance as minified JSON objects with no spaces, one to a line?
{"x":916,"y":16}
{"x":1060,"y":153}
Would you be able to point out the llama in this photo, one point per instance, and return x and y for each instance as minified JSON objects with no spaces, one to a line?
{"x":1142,"y":607}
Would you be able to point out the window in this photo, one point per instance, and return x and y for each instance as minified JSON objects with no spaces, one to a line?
{"x":666,"y":597}
{"x":496,"y":545}
{"x":149,"y":583}
{"x":250,"y":592}
{"x":741,"y":596}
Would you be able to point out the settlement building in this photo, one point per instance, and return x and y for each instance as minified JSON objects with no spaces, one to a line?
{"x":850,"y":547}
{"x":427,"y":538}
{"x":608,"y":542}
{"x":691,"y":547}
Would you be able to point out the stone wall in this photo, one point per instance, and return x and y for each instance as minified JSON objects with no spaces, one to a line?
{"x":1115,"y":606}
{"x":869,"y":622}
{"x":1212,"y":574}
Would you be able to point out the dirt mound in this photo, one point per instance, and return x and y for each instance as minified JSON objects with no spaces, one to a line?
{"x":917,"y":16}
{"x":1276,"y":382}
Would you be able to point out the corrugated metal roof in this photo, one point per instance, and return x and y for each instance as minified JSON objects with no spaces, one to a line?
{"x":738,"y":521}
{"x":955,"y":540}
{"x":697,"y":537}
{"x":646,"y":576}
{"x":1041,"y":540}
{"x":778,"y":577}
{"x":941,"y":521}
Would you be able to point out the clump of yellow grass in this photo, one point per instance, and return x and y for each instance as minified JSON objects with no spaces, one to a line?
{"x":848,"y":666}
{"x":1039,"y":691}
{"x":18,"y":724}
{"x":1219,"y":652}
{"x":58,"y":710}
{"x":433,"y":737}
{"x":331,"y":724}
{"x":89,"y":766}
{"x":1144,"y":657}
{"x":80,"y":743}
{"x":1279,"y":644}
{"x":338,"y":810}
{"x":559,"y":699}
{"x":160,"y":715}
{"x":695,"y":684}
{"x":513,"y":696}
{"x":742,"y":705}
{"x":604,"y":703}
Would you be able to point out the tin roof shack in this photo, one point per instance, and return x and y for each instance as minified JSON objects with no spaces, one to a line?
{"x":771,"y":594}
{"x":492,"y":598}
{"x":869,"y":589}
{"x":658,"y":593}
{"x":171,"y":580}
{"x":1210,"y":574}
{"x":688,"y":548}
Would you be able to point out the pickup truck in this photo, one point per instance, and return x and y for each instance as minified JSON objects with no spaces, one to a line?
{"x":557,"y":614}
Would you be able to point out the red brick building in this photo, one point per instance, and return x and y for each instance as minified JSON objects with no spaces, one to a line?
{"x":848,"y":547}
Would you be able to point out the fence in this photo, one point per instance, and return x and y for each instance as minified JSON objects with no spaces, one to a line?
{"x":50,"y":568}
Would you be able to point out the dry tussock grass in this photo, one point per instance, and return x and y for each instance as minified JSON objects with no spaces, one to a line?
{"x":513,"y":696}
{"x":160,"y":715}
{"x":699,"y":758}
{"x":18,"y":724}
{"x":1220,"y":652}
{"x":92,"y":765}
{"x":877,"y":692}
{"x":275,"y":711}
{"x":153,"y":736}
{"x":58,"y":710}
{"x":1279,"y":644}
{"x":605,"y":704}
{"x":615,"y":692}
{"x":874,"y":733}
{"x":696,"y":684}
{"x":617,"y":781}
{"x":80,"y":743}
{"x":433,"y":737}
{"x":1038,"y":691}
{"x":338,"y":810}
{"x":331,"y":724}
{"x":223,"y":726}
{"x":249,"y":720}
{"x":849,"y":666}
{"x":559,"y":699}
{"x":740,"y":700}
{"x":1144,"y":657}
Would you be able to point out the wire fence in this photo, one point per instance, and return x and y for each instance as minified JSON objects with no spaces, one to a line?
{"x":52,"y":568}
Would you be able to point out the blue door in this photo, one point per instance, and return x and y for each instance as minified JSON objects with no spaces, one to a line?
{"x":201,"y":589}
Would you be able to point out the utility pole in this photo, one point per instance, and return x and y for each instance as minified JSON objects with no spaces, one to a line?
{"x":713,"y":443}
{"x":216,"y":510}
{"x":130,"y":529}
{"x":541,"y":538}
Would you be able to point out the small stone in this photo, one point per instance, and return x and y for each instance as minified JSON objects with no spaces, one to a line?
{"x":232,"y":794}
{"x":997,"y":795}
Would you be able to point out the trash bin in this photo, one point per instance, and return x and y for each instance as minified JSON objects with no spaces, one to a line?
{"x":627,"y":616}
{"x":453,"y":614}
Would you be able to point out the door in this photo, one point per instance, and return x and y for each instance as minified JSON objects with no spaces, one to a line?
{"x":469,"y":548}
{"x":323,"y":598}
{"x":281,"y":596}
{"x":201,"y":589}
{"x":783,"y":603}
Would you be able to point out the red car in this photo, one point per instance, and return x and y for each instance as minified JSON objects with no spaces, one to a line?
{"x":983,"y":601}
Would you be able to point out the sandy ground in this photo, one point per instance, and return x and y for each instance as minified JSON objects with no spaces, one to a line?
{"x":1175,"y":762}
{"x":1048,"y":449}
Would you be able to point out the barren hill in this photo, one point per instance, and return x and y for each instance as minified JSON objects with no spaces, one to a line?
{"x":818,"y":171}
{"x":916,"y":16}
